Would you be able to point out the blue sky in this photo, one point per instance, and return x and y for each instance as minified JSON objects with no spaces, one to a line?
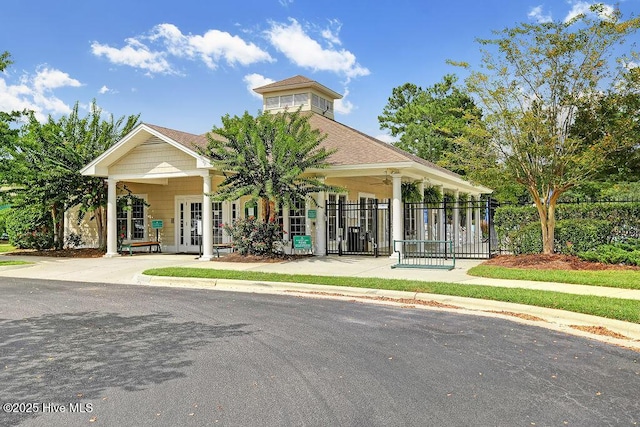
{"x":184,"y":64}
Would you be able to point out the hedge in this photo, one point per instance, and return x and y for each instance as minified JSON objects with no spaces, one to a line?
{"x":571,"y":236}
{"x":622,"y":223}
{"x":29,"y":227}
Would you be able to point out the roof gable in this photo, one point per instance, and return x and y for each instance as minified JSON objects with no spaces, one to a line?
{"x":183,"y":141}
{"x":297,"y":82}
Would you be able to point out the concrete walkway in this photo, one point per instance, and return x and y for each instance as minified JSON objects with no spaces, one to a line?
{"x":127,"y":270}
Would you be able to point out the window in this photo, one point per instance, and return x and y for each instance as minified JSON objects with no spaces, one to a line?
{"x":321,"y":103}
{"x":131,"y":220}
{"x":300,"y":99}
{"x":217,"y":222}
{"x":272,"y":102}
{"x":284,"y":101}
{"x":297,"y":220}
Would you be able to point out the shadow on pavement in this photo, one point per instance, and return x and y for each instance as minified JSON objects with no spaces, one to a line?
{"x":73,"y":357}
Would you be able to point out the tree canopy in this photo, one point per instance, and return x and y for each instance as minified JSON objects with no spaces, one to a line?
{"x":267,"y":157}
{"x":533,"y":84}
{"x":428,"y":121}
{"x":42,"y":164}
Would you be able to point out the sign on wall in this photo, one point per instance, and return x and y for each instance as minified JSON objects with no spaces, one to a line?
{"x":302,"y":242}
{"x":157,"y":223}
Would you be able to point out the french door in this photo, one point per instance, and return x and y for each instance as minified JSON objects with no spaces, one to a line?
{"x":189,"y":224}
{"x":190,"y":227}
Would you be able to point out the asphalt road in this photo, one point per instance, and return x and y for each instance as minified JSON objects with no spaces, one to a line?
{"x":135,"y":356}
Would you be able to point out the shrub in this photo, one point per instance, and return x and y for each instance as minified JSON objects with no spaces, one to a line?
{"x":74,"y":240}
{"x":571,"y":236}
{"x":616,"y":253}
{"x":29,"y":227}
{"x":623,"y":219}
{"x":526,"y":240}
{"x":253,"y":237}
{"x":4,"y":213}
{"x":579,"y":235}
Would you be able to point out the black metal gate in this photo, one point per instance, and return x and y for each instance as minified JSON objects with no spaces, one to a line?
{"x":468,"y":224}
{"x":360,"y":227}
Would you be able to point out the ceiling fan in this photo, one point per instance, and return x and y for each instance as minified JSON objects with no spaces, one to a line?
{"x":385,"y":181}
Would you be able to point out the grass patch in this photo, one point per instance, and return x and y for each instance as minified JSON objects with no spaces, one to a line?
{"x":12,"y":262}
{"x":625,"y":279}
{"x":612,"y":308}
{"x":5,"y":247}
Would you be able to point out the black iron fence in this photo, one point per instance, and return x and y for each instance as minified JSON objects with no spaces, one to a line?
{"x":467,"y":224}
{"x":360,"y":227}
{"x":363,"y":227}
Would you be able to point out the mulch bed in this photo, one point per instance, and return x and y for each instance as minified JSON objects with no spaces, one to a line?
{"x":97,"y":253}
{"x":532,"y":262}
{"x":552,"y":262}
{"x":62,"y":253}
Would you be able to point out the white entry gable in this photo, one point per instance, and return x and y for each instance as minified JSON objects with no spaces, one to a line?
{"x":151,"y":152}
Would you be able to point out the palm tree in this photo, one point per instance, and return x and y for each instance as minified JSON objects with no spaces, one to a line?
{"x":265,"y":157}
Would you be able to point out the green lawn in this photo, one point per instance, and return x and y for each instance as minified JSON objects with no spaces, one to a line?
{"x":613,"y":308}
{"x":627,"y":279}
{"x":12,"y":262}
{"x":5,"y":247}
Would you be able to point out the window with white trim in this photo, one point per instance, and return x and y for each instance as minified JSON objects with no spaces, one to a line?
{"x":131,"y":220}
{"x":285,"y":101}
{"x":297,"y":219}
{"x":321,"y":103}
{"x":217,"y":222}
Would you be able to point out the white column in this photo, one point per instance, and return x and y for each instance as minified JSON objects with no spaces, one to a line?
{"x":455,"y":232}
{"x":321,"y":225}
{"x":207,"y":220}
{"x":469,"y":222}
{"x":478,"y":220}
{"x":396,"y":212}
{"x":112,"y":219}
{"x":420,"y":221}
{"x":442,"y":226}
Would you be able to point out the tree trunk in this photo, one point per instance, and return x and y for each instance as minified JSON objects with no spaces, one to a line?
{"x":99,"y":215}
{"x":269,"y":209}
{"x":58,"y":227}
{"x":547,"y":213}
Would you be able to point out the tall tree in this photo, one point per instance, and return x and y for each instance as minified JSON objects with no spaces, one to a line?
{"x":531,"y":86}
{"x":614,"y":115}
{"x":428,"y":121}
{"x":5,"y":60}
{"x":43,"y":165}
{"x":266,"y":157}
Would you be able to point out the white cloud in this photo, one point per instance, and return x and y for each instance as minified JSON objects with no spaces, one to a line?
{"x":105,"y":89}
{"x":152,"y":52}
{"x":256,"y":80}
{"x":302,"y":50}
{"x":385,"y":137}
{"x":538,"y":15}
{"x":285,"y":3}
{"x":331,"y":33}
{"x":135,"y":54}
{"x":47,"y":78}
{"x":342,"y":106}
{"x":35,"y":92}
{"x":211,"y":47}
{"x":583,"y":7}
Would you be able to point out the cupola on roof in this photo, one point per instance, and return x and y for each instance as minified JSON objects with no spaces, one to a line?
{"x":298,"y":92}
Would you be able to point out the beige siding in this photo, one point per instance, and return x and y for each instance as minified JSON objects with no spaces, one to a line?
{"x":161,"y":199}
{"x":86,"y":228}
{"x":153,"y":157}
{"x":354,"y":186}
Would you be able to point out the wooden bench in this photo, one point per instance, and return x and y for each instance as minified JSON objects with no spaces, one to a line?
{"x":130,"y":246}
{"x":218,"y":246}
